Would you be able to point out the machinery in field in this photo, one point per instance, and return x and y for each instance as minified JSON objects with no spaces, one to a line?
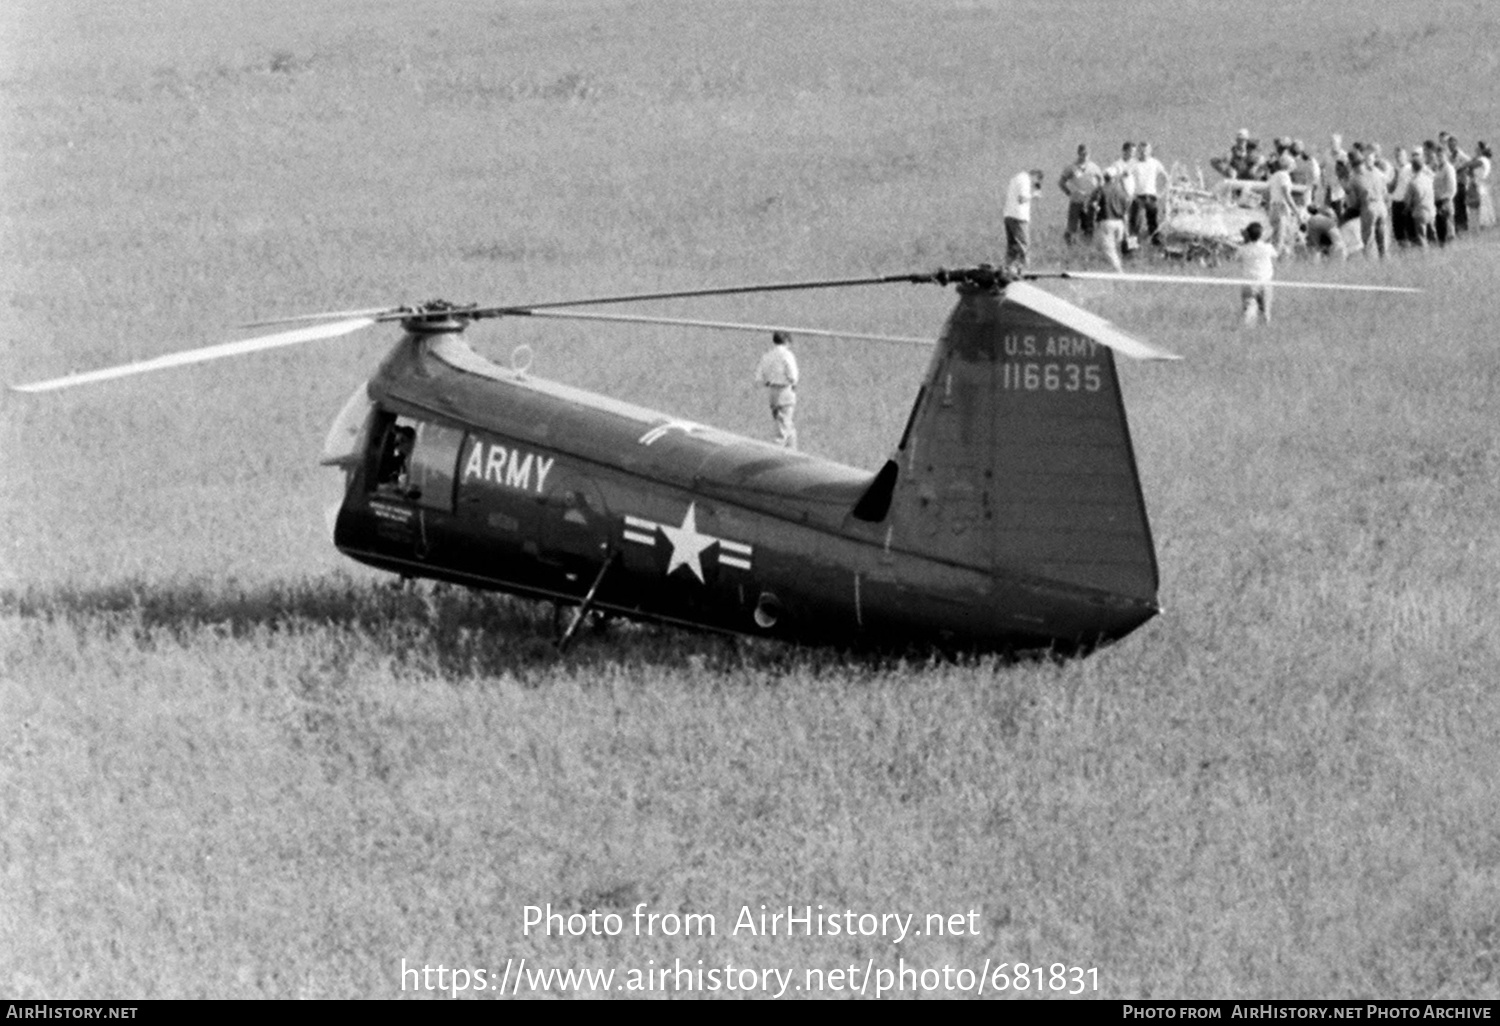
{"x":1202,"y":224}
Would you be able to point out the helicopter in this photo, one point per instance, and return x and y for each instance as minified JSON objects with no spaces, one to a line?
{"x":1008,"y":518}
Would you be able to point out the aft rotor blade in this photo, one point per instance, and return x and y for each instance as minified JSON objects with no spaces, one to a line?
{"x":725,"y":326}
{"x":215,"y":352}
{"x":1194,"y":279}
{"x":1083,"y":322}
{"x":731,"y":290}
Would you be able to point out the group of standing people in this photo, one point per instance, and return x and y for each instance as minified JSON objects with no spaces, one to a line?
{"x":1115,"y":207}
{"x":1426,"y":194}
{"x":1118,"y":205}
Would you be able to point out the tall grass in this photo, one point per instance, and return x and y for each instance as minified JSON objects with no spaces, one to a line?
{"x":234,"y":765}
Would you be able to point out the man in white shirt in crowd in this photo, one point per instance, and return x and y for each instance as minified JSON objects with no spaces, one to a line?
{"x":778,"y":373}
{"x":1147,"y":177}
{"x":1281,"y":205}
{"x":1023,"y":188}
{"x":1307,"y":174}
{"x":1333,"y":186}
{"x":1124,"y":168}
{"x":1368,"y":189}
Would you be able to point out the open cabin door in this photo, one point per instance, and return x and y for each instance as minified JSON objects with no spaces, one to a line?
{"x":411,"y":480}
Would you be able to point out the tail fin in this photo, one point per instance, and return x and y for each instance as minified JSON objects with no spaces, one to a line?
{"x":1017,"y":456}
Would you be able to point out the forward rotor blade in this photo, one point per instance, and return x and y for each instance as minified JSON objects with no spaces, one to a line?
{"x":1080,"y":320}
{"x":374,"y":311}
{"x":215,"y":352}
{"x":1193,"y":279}
{"x":725,"y":326}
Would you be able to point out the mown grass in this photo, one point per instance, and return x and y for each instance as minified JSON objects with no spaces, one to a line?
{"x":235,"y":765}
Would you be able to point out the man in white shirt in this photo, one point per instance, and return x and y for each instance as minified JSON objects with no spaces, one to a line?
{"x":778,"y":373}
{"x":1306,"y":176}
{"x":1124,"y":168}
{"x":1147,"y":175}
{"x":1334,"y":186}
{"x":1023,"y":188}
{"x":1281,"y":205}
{"x":1256,"y":259}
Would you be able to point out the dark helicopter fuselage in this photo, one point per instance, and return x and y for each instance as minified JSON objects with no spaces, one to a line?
{"x":1009,"y":517}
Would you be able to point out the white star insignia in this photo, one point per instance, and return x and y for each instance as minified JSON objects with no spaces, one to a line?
{"x":687,"y":544}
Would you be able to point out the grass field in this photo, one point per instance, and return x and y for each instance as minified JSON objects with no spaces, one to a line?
{"x":233,"y":764}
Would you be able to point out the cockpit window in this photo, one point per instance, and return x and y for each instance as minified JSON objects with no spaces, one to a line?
{"x":417,"y":461}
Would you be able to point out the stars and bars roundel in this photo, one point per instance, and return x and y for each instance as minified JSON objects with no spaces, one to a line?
{"x":687,"y":544}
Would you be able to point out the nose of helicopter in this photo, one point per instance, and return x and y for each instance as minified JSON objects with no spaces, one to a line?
{"x":331,"y":517}
{"x":342,"y":449}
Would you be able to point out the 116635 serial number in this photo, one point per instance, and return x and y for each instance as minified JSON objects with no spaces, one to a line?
{"x":1049,"y":377}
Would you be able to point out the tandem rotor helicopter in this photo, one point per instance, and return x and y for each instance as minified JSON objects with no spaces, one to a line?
{"x":1009,"y":516}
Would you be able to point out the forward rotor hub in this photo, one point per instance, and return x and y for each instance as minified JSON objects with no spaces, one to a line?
{"x":435,"y":317}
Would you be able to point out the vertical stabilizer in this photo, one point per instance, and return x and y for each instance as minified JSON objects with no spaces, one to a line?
{"x":1017,"y":458}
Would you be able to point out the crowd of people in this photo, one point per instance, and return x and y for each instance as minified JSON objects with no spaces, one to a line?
{"x":1426,"y":194}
